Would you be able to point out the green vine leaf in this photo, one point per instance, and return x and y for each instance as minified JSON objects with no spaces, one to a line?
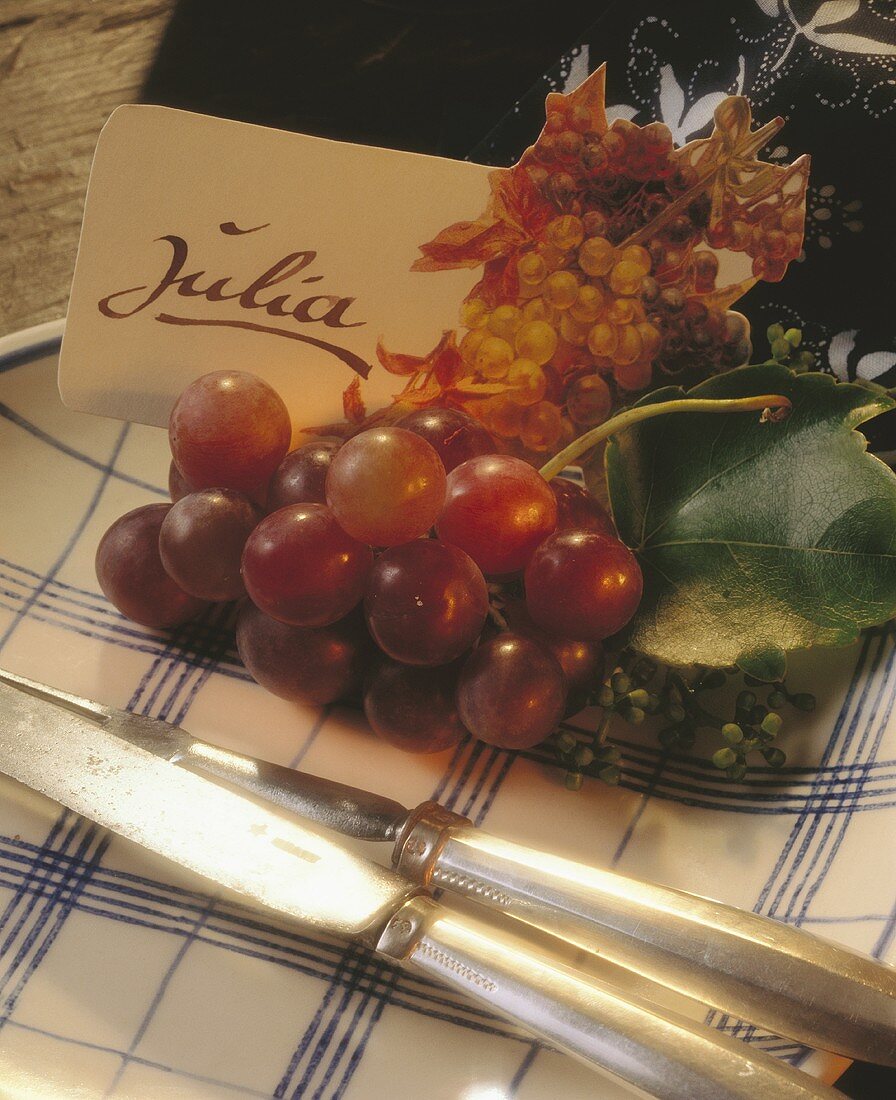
{"x":756,"y":536}
{"x":767,"y":663}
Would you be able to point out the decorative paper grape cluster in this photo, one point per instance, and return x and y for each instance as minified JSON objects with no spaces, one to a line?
{"x":603,"y":253}
{"x":362,"y":567}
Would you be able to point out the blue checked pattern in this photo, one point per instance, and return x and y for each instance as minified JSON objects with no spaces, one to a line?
{"x":136,"y":980}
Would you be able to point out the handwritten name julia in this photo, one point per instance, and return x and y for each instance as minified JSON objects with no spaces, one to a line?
{"x":328,"y":310}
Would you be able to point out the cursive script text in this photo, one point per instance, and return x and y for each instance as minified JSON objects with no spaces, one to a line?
{"x":328,"y":310}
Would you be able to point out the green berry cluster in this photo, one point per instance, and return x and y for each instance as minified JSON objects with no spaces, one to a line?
{"x":581,"y":753}
{"x":624,"y":694}
{"x":752,"y":727}
{"x":784,"y":345}
{"x":755,"y":727}
{"x":638,"y":689}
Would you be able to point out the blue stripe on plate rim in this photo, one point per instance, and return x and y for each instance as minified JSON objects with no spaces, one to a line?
{"x":29,"y":343}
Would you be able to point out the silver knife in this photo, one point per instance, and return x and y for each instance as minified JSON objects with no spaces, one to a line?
{"x":101,"y":762}
{"x":773,"y":975}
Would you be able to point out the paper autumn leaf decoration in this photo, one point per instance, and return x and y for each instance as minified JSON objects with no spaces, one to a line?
{"x":755,"y":208}
{"x":516,"y":214}
{"x":609,"y":262}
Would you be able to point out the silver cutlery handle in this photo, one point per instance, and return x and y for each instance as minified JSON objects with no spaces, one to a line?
{"x":777,"y":977}
{"x":637,"y":1043}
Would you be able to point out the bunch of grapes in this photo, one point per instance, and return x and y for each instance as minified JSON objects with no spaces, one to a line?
{"x":612,"y":290}
{"x":363,"y":570}
{"x":697,"y":340}
{"x":770,"y":233}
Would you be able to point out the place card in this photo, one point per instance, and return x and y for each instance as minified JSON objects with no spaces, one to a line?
{"x":212,"y":245}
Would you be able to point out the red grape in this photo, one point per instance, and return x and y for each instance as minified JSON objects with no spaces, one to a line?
{"x":178,"y":486}
{"x":577,"y":509}
{"x":582,"y":662}
{"x":201,"y":542}
{"x":300,"y":567}
{"x":426,"y":602}
{"x":386,"y":486}
{"x":301,"y":477}
{"x":453,"y":434}
{"x":313,"y":666}
{"x":581,"y":584}
{"x":497,"y":509}
{"x":131,"y":573}
{"x":511,"y":692}
{"x":414,"y":708}
{"x":228,"y":429}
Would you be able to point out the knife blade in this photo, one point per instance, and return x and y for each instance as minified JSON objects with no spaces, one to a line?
{"x":243,"y":845}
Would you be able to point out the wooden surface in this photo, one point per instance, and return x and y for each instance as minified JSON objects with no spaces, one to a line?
{"x":64,"y":66}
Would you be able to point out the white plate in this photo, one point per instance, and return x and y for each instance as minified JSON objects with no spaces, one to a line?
{"x":120,"y":975}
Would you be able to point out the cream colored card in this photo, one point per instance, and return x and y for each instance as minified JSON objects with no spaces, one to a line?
{"x":209,"y":245}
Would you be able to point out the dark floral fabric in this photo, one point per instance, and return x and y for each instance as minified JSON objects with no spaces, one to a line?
{"x":828,"y":67}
